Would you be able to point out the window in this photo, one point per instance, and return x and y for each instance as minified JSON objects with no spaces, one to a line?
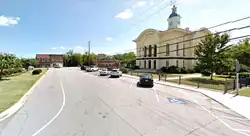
{"x":150,"y":51}
{"x":167,"y":63}
{"x":177,"y":63}
{"x":167,"y":50}
{"x":183,"y":64}
{"x":53,"y":59}
{"x":184,"y":46}
{"x":154,"y":64}
{"x":145,"y":63}
{"x":149,"y":64}
{"x":43,"y":59}
{"x":155,"y":51}
{"x":145,"y":51}
{"x":177,"y":49}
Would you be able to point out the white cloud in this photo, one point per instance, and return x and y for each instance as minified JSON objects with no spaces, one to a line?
{"x":54,"y":48}
{"x":7,"y":21}
{"x":126,"y":14}
{"x":62,"y":47}
{"x":109,"y":39}
{"x":140,"y":4}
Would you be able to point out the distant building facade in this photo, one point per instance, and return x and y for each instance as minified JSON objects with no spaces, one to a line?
{"x":49,"y":60}
{"x":156,"y":49}
{"x":107,"y":63}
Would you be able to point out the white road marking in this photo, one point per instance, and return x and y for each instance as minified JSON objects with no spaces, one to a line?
{"x":156,"y":95}
{"x":220,"y":108}
{"x":48,"y":123}
{"x":211,"y":113}
{"x":234,"y":118}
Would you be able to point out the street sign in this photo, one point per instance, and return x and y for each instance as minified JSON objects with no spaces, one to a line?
{"x":237,"y":66}
{"x":176,"y":100}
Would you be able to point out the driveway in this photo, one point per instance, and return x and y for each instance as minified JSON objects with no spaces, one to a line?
{"x":70,"y":102}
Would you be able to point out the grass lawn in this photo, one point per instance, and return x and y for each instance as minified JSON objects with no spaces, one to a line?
{"x":156,"y":76}
{"x":245,"y":92}
{"x":203,"y":82}
{"x":13,"y":88}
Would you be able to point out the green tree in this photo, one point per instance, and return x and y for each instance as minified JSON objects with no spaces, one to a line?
{"x":241,"y":51}
{"x":211,"y":54}
{"x":8,"y":61}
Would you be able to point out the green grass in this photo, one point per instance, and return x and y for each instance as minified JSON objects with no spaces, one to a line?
{"x":156,"y":76}
{"x":13,"y":88}
{"x":245,"y":92}
{"x":202,"y":82}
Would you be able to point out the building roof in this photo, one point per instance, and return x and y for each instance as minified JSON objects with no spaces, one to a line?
{"x":173,"y":15}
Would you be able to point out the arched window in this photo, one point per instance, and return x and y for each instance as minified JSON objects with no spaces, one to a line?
{"x":145,"y":64}
{"x":154,"y":64}
{"x":155,"y":51}
{"x":145,"y":51}
{"x":150,"y":51}
{"x":149,"y":64}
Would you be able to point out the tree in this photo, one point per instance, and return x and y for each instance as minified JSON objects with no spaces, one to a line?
{"x":126,"y":59}
{"x":8,"y":61}
{"x":211,"y":54}
{"x":241,"y":51}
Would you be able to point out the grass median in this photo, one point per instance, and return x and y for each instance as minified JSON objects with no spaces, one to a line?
{"x":245,"y":92}
{"x":13,"y":88}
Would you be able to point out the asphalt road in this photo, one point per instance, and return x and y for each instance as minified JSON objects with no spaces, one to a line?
{"x":70,"y":102}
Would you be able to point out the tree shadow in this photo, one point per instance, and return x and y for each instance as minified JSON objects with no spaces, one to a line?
{"x":4,"y":79}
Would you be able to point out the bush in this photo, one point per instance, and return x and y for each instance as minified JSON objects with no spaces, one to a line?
{"x":206,"y":73}
{"x":124,"y":70}
{"x":244,"y":68}
{"x":136,"y":67}
{"x":173,"y":69}
{"x":163,"y":69}
{"x":244,"y":75}
{"x":190,"y":71}
{"x":36,"y":71}
{"x":183,"y":71}
{"x":83,"y":68}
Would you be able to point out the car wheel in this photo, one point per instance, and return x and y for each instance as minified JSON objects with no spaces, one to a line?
{"x":138,"y":84}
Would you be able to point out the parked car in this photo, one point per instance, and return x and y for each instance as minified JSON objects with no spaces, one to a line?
{"x":103,"y":72}
{"x":83,"y":68}
{"x":91,"y":68}
{"x":115,"y":73}
{"x":146,"y":80}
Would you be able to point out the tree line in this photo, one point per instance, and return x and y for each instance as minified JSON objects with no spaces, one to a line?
{"x":72,"y":59}
{"x":10,"y":63}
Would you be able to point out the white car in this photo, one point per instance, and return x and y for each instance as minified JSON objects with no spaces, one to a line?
{"x":90,"y":69}
{"x":115,"y":73}
{"x":103,"y":72}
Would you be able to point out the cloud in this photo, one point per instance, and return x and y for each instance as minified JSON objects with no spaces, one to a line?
{"x":7,"y":21}
{"x":62,"y":47}
{"x":140,"y":4}
{"x":109,"y":39}
{"x":54,"y":48}
{"x":126,"y":14}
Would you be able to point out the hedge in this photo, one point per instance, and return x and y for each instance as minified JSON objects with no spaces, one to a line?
{"x":36,"y":71}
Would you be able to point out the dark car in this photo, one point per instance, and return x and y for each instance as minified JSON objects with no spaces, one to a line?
{"x":83,"y":68}
{"x":146,"y":80}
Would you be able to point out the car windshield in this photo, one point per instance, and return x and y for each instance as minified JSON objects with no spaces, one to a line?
{"x":114,"y":70}
{"x":146,"y":76}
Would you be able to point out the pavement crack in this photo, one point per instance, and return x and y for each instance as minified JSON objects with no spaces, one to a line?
{"x":202,"y":126}
{"x":137,"y":131}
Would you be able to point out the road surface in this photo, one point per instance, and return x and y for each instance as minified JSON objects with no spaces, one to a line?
{"x":71,"y":102}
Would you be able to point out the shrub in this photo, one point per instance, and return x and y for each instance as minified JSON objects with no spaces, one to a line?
{"x":244,"y":75}
{"x":190,"y":71}
{"x":206,"y":73}
{"x":124,"y":70}
{"x":244,"y":68}
{"x":173,"y":69}
{"x":83,"y":68}
{"x":136,"y":67}
{"x":183,"y":71}
{"x":36,"y":71}
{"x":163,"y":69}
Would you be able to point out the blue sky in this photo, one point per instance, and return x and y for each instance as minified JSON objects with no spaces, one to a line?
{"x":54,"y":26}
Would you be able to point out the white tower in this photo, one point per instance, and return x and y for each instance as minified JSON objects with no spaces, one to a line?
{"x":174,"y":19}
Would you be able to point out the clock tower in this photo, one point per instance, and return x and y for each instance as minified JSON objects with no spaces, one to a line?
{"x":174,"y":19}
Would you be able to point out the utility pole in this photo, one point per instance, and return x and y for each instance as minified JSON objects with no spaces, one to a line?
{"x":89,"y":53}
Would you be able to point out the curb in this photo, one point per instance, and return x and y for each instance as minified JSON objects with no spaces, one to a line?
{"x":193,"y":90}
{"x":14,"y":108}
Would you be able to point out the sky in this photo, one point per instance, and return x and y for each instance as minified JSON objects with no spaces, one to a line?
{"x":55,"y":26}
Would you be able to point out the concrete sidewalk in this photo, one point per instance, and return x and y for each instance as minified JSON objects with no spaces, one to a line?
{"x":237,"y":104}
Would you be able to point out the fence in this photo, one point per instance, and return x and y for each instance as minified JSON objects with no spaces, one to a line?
{"x":225,"y":84}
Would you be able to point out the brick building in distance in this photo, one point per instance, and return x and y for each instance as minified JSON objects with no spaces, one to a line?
{"x":49,"y":60}
{"x":107,"y":63}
